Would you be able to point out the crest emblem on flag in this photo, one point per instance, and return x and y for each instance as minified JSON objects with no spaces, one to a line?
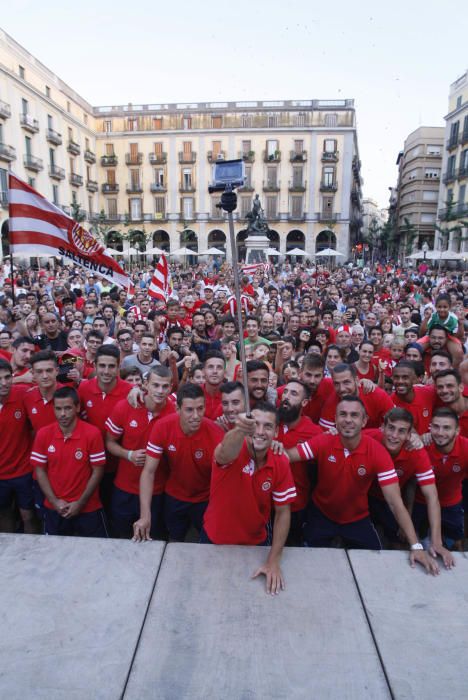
{"x":84,"y":241}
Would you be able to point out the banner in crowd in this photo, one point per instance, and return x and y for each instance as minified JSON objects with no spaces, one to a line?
{"x":38,"y":227}
{"x":257,"y":267}
{"x":159,"y":287}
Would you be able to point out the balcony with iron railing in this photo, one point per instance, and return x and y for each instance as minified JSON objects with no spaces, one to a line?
{"x":452,"y":213}
{"x":29,"y":123}
{"x":56,"y":173}
{"x":134,"y":158}
{"x":213,"y":156}
{"x":187,"y":157}
{"x":157,"y":158}
{"x":134,"y":188}
{"x":33,"y":163}
{"x":298,"y":156}
{"x":330,"y":157}
{"x":271,"y":185}
{"x":109,"y":188}
{"x":462,"y":173}
{"x":247,"y":156}
{"x":92,"y":185}
{"x":297,"y":216}
{"x":464,"y":137}
{"x":272,"y":157}
{"x":248,"y":187}
{"x":7,"y":153}
{"x":75,"y":180}
{"x":450,"y":176}
{"x":328,"y":186}
{"x":157,"y":187}
{"x":109,"y":161}
{"x":187,"y":187}
{"x":89,"y":156}
{"x":328,"y":216}
{"x":452,"y":143}
{"x":355,"y":196}
{"x":356,"y":166}
{"x":5,"y":110}
{"x":54,"y":137}
{"x":73,"y":148}
{"x":297,"y":185}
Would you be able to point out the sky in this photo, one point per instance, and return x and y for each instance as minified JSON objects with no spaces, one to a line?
{"x":396,"y":59}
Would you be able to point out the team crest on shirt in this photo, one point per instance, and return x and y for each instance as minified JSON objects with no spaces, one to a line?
{"x":332,"y":458}
{"x":34,"y":411}
{"x":249,"y":468}
{"x":78,"y":454}
{"x":18,"y":415}
{"x":266,"y":486}
{"x":456,"y":468}
{"x":51,"y":448}
{"x":425,"y":413}
{"x":362,"y":471}
{"x":133,"y":424}
{"x":89,"y":404}
{"x":171,"y":448}
{"x":199,"y":454}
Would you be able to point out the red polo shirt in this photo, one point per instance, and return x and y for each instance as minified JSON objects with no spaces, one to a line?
{"x":15,"y":435}
{"x":40,"y":412}
{"x":377,"y":404}
{"x":213,"y":408}
{"x":241,"y":498}
{"x":291,"y":437}
{"x":344,"y":478}
{"x":317,"y":400}
{"x":69,"y":462}
{"x":449,"y":470}
{"x":96,"y":406}
{"x":420,"y":407}
{"x":408,"y":463}
{"x":189,"y":457}
{"x":133,"y":426}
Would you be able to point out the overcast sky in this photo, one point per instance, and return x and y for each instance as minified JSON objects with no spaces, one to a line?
{"x":396,"y":59}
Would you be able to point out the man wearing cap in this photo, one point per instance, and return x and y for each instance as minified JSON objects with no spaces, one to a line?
{"x":343,"y":340}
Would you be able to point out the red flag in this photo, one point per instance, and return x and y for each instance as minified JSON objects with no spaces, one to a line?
{"x":159,"y":287}
{"x":37,"y":227}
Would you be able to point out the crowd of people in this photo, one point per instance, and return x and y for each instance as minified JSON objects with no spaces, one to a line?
{"x":123,"y":415}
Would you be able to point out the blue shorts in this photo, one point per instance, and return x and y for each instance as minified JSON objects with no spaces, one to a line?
{"x":125,"y":510}
{"x":179,"y":516}
{"x":452,"y":521}
{"x":320,"y":531}
{"x":21,"y":487}
{"x":382,"y":516}
{"x":83,"y":525}
{"x":465,"y":494}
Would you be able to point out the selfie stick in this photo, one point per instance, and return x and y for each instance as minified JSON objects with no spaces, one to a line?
{"x":229,"y":203}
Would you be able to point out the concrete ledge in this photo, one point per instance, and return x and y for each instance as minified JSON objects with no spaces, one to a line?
{"x":71,"y":613}
{"x":211,"y":632}
{"x":420,"y":623}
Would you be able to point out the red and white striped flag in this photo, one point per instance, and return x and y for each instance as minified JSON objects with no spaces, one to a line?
{"x":257,"y":267}
{"x":37,"y":227}
{"x":159,"y":287}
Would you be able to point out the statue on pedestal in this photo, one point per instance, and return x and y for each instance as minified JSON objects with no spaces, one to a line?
{"x":256,"y":217}
{"x":257,"y":241}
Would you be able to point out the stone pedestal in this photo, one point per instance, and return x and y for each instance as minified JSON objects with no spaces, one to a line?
{"x":255,"y":249}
